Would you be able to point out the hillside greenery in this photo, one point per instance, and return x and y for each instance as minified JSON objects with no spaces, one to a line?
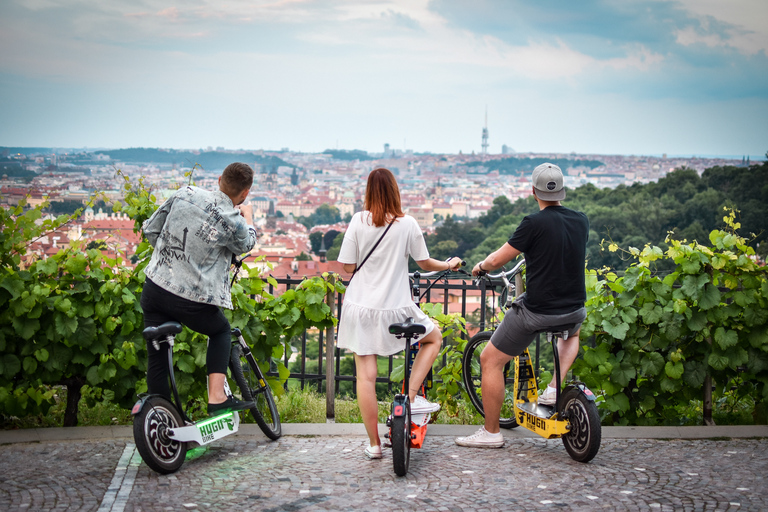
{"x":525,"y":165}
{"x":683,"y":205}
{"x":208,"y":160}
{"x":348,"y":154}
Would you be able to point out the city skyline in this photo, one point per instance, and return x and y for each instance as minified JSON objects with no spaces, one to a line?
{"x":681,"y":78}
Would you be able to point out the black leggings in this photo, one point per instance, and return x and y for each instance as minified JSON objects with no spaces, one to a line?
{"x":160,"y":306}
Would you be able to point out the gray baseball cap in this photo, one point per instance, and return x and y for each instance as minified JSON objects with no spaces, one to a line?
{"x":548,"y":182}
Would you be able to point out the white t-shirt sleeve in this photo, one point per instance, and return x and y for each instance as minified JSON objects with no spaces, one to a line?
{"x":417,"y":246}
{"x":348,"y":251}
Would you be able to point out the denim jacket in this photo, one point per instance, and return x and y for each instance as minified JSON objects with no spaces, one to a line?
{"x":194,"y":234}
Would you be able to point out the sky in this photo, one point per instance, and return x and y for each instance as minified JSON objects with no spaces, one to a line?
{"x":610,"y":77}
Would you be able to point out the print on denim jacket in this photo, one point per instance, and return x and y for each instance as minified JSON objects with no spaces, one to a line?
{"x":195,"y":233}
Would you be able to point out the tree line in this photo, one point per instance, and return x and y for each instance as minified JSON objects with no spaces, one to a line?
{"x":683,"y":205}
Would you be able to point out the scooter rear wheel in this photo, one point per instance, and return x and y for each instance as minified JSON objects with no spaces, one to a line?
{"x":150,"y":432}
{"x":583,"y":441}
{"x":401,"y":441}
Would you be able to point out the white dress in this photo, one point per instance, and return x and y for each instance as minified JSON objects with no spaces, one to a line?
{"x":379,"y":294}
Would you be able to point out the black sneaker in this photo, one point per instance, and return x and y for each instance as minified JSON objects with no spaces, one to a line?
{"x":229,"y":405}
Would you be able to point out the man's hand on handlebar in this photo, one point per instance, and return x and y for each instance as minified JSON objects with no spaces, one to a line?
{"x":455,"y":263}
{"x":477,"y":271}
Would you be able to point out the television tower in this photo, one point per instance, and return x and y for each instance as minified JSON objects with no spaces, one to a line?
{"x":485,"y":133}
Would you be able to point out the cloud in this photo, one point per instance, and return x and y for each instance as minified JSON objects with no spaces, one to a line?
{"x":424,"y":69}
{"x":171,"y":13}
{"x":652,"y":43}
{"x":401,"y":20}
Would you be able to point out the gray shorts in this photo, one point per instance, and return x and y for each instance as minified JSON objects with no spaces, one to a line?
{"x":520,"y":327}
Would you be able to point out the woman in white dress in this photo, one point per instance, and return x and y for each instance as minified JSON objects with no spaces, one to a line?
{"x":379,"y":295}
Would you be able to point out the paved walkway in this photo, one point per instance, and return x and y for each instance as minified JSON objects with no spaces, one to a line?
{"x":322,"y":467}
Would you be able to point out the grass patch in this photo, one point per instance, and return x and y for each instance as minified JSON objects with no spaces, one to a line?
{"x":295,"y":406}
{"x":308,"y":406}
{"x":98,"y":414}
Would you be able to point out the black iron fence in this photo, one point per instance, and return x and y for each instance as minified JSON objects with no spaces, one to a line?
{"x":307,"y":359}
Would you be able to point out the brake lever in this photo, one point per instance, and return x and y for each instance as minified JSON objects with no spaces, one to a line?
{"x":238,"y":264}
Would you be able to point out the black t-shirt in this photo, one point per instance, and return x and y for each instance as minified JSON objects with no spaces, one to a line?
{"x":554,"y":242}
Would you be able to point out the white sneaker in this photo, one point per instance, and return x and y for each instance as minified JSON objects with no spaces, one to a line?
{"x":548,"y":397}
{"x":481,"y":439}
{"x":421,"y":405}
{"x":373,"y":452}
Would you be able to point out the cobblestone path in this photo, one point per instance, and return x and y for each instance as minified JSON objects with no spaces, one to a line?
{"x":331,"y":473}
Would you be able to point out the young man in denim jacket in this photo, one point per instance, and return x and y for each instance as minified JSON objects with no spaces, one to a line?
{"x":195,"y":233}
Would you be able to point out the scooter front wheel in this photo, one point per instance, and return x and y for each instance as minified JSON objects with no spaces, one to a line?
{"x":472,"y":377}
{"x":254,"y":387}
{"x":583,"y":441}
{"x":401,"y":441}
{"x":150,"y":432}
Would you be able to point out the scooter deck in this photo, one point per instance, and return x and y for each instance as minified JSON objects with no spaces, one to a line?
{"x":207,"y":430}
{"x":541,"y":419}
{"x":540,"y":411}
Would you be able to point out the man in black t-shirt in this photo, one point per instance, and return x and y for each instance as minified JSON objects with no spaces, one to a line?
{"x":553,"y":241}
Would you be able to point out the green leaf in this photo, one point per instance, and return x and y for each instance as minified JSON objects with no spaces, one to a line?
{"x":41,"y":354}
{"x":76,"y":264}
{"x":83,"y":357}
{"x":14,"y":285}
{"x":186,"y":363}
{"x":47,"y":266}
{"x":671,"y":329}
{"x":128,"y":296}
{"x":86,"y":309}
{"x":10,"y":365}
{"x":629,"y":315}
{"x":63,"y":304}
{"x":25,"y":327}
{"x":651,"y":313}
{"x":283,"y":372}
{"x":622,"y":373}
{"x":86,"y":332}
{"x":93,"y":376}
{"x":110,"y":324}
{"x":698,"y":321}
{"x":755,"y":315}
{"x":690,"y":265}
{"x":692,"y":285}
{"x":758,"y":337}
{"x":669,"y":385}
{"x":718,"y":361}
{"x":102,"y":309}
{"x":317,"y":312}
{"x":615,"y":327}
{"x":30,"y":365}
{"x":674,"y":370}
{"x":398,"y":373}
{"x":107,"y":371}
{"x":617,"y":403}
{"x":651,"y":364}
{"x":694,"y":374}
{"x":726,"y":339}
{"x":648,"y":403}
{"x":65,"y":325}
{"x":710,"y":298}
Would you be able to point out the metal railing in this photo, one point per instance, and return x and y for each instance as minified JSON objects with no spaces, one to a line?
{"x":456,"y":286}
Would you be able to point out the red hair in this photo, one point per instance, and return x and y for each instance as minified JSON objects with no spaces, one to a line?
{"x":382,"y":197}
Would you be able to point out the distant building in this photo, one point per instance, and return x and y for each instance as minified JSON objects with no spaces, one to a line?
{"x":424,"y":216}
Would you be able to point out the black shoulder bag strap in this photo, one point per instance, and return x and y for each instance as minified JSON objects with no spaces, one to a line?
{"x":372,"y":249}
